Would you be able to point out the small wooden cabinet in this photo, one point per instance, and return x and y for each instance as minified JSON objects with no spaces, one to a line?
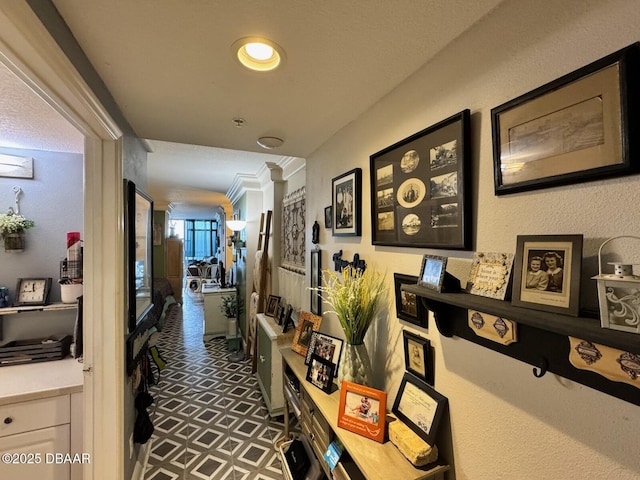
{"x":215,"y":323}
{"x":269,"y":364}
{"x":174,"y":265}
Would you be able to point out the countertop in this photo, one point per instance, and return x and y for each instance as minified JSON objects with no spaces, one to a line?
{"x":215,"y":288}
{"x":19,"y":383}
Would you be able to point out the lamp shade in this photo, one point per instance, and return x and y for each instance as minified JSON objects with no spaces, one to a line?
{"x":236,"y":225}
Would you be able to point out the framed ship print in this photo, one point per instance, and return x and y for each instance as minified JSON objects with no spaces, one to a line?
{"x":420,"y":188}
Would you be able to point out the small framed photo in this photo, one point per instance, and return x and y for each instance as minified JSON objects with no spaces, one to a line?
{"x":316,"y":279}
{"x":362,"y":410}
{"x":325,"y":346}
{"x":408,"y":306}
{"x":546,"y":273}
{"x":490,"y":275}
{"x":279,"y":318}
{"x":320,"y":373}
{"x":307,"y":323}
{"x":577,"y":128}
{"x":432,"y":272}
{"x":417,"y":356}
{"x":420,"y":407}
{"x":288,"y":320}
{"x":272,"y":305}
{"x":347,"y":204}
{"x":328,"y":217}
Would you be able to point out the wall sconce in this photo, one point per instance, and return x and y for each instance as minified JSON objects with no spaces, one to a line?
{"x":618,"y":295}
{"x":236,"y":226}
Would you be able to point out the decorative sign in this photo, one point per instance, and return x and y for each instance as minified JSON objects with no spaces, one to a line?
{"x":616,"y":365}
{"x":490,"y":274}
{"x":496,"y":329}
{"x":16,"y":167}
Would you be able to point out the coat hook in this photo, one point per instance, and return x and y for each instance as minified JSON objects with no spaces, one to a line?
{"x":544,"y":365}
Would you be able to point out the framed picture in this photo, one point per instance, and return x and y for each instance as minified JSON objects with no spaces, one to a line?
{"x":328,"y":217}
{"x":307,"y":323}
{"x":417,"y":356}
{"x":325,"y":346}
{"x":546,"y":273}
{"x":420,"y":407}
{"x":279,"y":318}
{"x":316,"y":280}
{"x":288,"y":320}
{"x":490,"y":275}
{"x":272,"y":306}
{"x":320,"y":373}
{"x":347,"y":204}
{"x":432,"y":272}
{"x":408,"y":306}
{"x":362,"y":410}
{"x":574,"y":129}
{"x":420,"y":188}
{"x":15,"y":166}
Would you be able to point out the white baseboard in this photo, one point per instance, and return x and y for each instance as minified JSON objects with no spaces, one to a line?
{"x":141,"y":461}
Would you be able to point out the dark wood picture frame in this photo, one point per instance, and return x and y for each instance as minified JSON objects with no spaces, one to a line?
{"x":273,"y":301}
{"x":408,"y":306}
{"x":432,"y":272}
{"x":320,"y":373}
{"x":417,"y":356}
{"x":420,"y":407}
{"x":315,"y":304}
{"x":420,"y":188}
{"x":560,"y":293}
{"x":288,"y":319}
{"x":328,"y":217}
{"x":347,"y":204}
{"x":325,"y":346}
{"x":574,"y":129}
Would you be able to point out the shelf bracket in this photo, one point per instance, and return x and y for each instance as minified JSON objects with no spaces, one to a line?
{"x":439,"y":314}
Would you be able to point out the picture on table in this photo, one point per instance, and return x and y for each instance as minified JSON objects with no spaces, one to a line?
{"x":325,"y":346}
{"x":320,"y":373}
{"x":362,"y":407}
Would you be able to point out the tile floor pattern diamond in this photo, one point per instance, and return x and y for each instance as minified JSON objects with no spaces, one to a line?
{"x":209,"y":417}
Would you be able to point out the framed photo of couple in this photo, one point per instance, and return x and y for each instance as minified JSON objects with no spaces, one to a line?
{"x":547,"y":273}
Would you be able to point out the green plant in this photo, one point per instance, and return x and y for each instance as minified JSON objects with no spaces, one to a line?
{"x":13,"y":223}
{"x":356,"y":297}
{"x":231,"y":306}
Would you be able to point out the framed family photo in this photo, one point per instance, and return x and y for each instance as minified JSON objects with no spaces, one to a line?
{"x":307,"y":323}
{"x":362,"y":410}
{"x":420,"y":193}
{"x":320,"y":373}
{"x":546,"y":273}
{"x":408,"y":305}
{"x":325,"y":346}
{"x":420,"y":407}
{"x":272,"y":306}
{"x":347,"y":204}
{"x":417,"y":356}
{"x":574,"y":129}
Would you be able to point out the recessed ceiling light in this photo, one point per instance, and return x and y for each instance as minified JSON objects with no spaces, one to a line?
{"x":258,"y":53}
{"x":270,"y":142}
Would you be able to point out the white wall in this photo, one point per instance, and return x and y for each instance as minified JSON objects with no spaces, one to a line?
{"x":504,"y":423}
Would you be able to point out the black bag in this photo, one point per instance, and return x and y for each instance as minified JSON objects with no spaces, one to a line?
{"x":297,"y":459}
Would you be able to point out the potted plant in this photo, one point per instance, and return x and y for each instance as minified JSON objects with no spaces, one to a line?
{"x":356,"y":297}
{"x":12,"y":227}
{"x":231,"y":306}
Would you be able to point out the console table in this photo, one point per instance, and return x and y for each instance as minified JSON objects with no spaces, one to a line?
{"x":317,"y":412}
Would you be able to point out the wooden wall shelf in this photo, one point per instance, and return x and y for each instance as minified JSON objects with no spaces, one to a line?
{"x":542,"y":337}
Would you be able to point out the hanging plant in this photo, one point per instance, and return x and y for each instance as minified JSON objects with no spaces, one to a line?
{"x":11,"y":223}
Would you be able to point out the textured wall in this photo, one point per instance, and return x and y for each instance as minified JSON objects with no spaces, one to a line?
{"x":504,"y":423}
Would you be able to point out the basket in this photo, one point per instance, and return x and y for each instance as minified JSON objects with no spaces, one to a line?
{"x":35,"y":350}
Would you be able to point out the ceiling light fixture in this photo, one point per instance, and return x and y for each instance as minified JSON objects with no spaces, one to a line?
{"x":270,"y":142}
{"x":258,"y":54}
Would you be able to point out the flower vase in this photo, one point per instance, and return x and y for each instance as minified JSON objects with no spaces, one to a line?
{"x":13,"y":242}
{"x":355,"y":365}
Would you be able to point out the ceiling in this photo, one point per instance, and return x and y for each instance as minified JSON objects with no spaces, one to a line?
{"x":170,"y":68}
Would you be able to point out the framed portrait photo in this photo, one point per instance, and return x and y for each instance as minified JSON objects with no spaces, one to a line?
{"x":315,"y":282}
{"x":328,"y":217}
{"x":420,"y":188}
{"x":307,"y":323}
{"x":362,"y":410}
{"x":417,"y":356}
{"x":347,"y":204}
{"x":408,"y":306}
{"x":573,"y":129}
{"x":432,"y":272}
{"x":320,"y":373}
{"x":287,"y":320}
{"x":325,"y":346}
{"x":272,"y":306}
{"x":546,"y":273}
{"x":420,"y":407}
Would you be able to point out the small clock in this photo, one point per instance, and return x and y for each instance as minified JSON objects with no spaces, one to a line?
{"x":32,"y":291}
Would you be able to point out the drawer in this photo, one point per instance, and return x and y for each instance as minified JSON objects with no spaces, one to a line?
{"x":34,"y":414}
{"x":321,"y":431}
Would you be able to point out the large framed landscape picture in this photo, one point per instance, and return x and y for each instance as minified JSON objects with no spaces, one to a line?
{"x":419,"y":188}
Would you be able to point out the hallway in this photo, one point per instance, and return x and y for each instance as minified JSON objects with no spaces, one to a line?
{"x":209,"y":417}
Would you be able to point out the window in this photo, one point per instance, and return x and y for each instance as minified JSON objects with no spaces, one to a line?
{"x":200,"y":239}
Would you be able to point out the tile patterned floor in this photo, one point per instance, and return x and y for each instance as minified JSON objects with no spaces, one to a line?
{"x":209,"y":417}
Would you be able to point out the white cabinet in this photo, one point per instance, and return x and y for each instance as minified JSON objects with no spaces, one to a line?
{"x":269,"y":364}
{"x":215,"y":323}
{"x":37,"y":434}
